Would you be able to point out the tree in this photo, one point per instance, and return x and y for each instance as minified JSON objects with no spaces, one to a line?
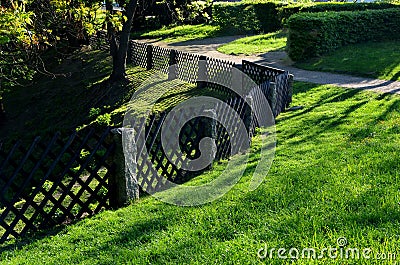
{"x":119,"y":49}
{"x":30,"y":28}
{"x":18,"y":46}
{"x":122,"y":29}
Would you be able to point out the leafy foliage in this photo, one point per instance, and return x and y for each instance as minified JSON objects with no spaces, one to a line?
{"x":314,"y":34}
{"x":268,"y":16}
{"x":30,"y":28}
{"x":194,"y":12}
{"x":285,"y":12}
{"x":17,"y":44}
{"x":245,"y":17}
{"x":167,"y":12}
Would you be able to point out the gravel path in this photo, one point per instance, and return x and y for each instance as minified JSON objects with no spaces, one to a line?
{"x":280,"y":60}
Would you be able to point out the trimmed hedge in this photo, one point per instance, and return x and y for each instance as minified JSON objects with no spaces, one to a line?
{"x":245,"y":17}
{"x":313,"y":34}
{"x":285,"y":12}
{"x":268,"y":16}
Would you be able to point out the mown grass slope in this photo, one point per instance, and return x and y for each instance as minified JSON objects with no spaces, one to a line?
{"x":335,"y":174}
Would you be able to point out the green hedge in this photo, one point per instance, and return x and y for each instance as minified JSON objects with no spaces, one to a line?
{"x":313,"y":34}
{"x":268,"y":16}
{"x":285,"y":12}
{"x":245,"y":17}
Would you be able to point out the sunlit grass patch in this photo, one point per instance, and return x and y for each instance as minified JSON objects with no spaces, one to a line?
{"x":372,"y":59}
{"x":275,"y":41}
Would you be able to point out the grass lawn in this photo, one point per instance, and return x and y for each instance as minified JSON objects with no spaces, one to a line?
{"x":181,"y":33}
{"x":372,"y":59}
{"x":335,"y":174}
{"x":257,"y":44}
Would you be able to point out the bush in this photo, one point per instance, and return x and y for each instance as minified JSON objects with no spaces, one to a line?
{"x":246,"y":17}
{"x":269,"y":16}
{"x":285,"y":12}
{"x":195,"y":12}
{"x":169,"y":12}
{"x":313,"y":34}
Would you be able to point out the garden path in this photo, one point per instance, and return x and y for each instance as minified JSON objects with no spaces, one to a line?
{"x":208,"y":47}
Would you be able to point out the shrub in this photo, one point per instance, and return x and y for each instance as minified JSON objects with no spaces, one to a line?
{"x":286,"y":11}
{"x":246,"y":17}
{"x":269,"y":16}
{"x":313,"y":34}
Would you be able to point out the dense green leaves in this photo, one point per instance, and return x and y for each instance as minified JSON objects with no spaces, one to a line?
{"x":285,"y":12}
{"x":268,"y":16}
{"x":244,"y":17}
{"x":30,"y":28}
{"x":314,"y":34}
{"x":17,"y":41}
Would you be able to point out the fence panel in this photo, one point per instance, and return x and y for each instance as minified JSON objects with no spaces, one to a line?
{"x":187,"y":66}
{"x":99,"y":41}
{"x":219,"y":74}
{"x":53,"y":182}
{"x":138,"y":53}
{"x":160,"y":59}
{"x":269,"y":78}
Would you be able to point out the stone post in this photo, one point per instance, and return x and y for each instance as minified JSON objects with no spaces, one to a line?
{"x":202,"y":72}
{"x":124,"y":186}
{"x":209,"y":129}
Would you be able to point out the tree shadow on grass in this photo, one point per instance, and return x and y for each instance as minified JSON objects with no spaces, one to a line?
{"x":329,"y":123}
{"x":325,"y":99}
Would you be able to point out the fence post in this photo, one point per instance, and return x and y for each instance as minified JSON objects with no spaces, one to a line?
{"x":172,"y":71}
{"x":289,"y":91}
{"x":209,"y":129}
{"x":129,"y":53}
{"x":249,"y":116}
{"x":149,"y":57}
{"x":123,"y":182}
{"x":202,"y":72}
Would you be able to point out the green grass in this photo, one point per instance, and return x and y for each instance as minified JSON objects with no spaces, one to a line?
{"x":373,"y":59}
{"x":275,"y":41}
{"x":181,"y":33}
{"x":335,"y":174}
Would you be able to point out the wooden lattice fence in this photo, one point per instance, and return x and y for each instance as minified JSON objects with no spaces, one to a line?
{"x":275,"y":83}
{"x":215,"y":74}
{"x":193,"y":68}
{"x":52,"y":181}
{"x":61,"y":179}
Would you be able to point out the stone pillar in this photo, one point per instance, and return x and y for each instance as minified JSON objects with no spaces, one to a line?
{"x":149,"y":57}
{"x":172,"y":70}
{"x":202,"y":72}
{"x":249,"y":116}
{"x":124,"y":187}
{"x":209,"y":129}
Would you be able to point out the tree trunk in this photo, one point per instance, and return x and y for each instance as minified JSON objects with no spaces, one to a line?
{"x":2,"y":112}
{"x":119,"y":49}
